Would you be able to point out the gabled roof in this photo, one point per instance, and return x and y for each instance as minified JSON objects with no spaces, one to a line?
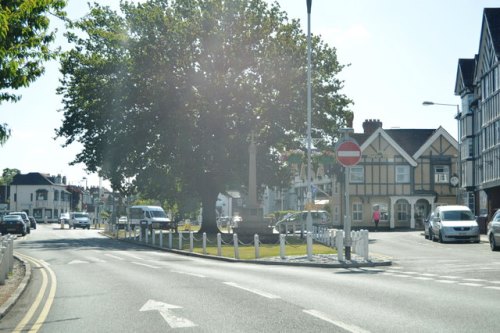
{"x":401,"y":136}
{"x":465,"y":76}
{"x":32,"y":178}
{"x":410,"y":139}
{"x":439,"y":132}
{"x":492,"y":18}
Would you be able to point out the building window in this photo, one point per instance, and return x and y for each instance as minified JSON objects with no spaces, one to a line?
{"x":402,"y":210}
{"x":357,"y":174}
{"x":441,"y":174}
{"x":56,"y":195}
{"x":357,"y":212}
{"x":402,"y":173}
{"x":42,"y":194}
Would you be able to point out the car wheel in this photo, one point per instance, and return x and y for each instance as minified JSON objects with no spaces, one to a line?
{"x":431,"y":236}
{"x":493,"y":244}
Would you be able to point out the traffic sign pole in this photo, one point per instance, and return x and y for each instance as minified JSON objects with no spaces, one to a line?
{"x":348,"y":154}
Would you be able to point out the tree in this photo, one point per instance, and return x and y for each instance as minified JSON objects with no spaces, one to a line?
{"x":169,"y":93}
{"x":8,"y":175}
{"x":24,"y":45}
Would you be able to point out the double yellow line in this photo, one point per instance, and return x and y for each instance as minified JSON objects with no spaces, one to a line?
{"x":45,"y":307}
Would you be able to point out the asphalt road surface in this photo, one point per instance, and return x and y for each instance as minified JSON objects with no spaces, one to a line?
{"x":84,"y":282}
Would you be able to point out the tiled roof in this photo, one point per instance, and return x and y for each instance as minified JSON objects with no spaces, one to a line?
{"x":408,"y":139}
{"x":32,"y":178}
{"x":467,"y":67}
{"x":492,"y":16}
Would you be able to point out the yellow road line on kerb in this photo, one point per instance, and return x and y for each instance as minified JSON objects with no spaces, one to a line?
{"x":39,"y":298}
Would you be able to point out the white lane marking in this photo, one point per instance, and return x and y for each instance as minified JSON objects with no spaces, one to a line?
{"x":187,"y":273}
{"x":141,"y":264}
{"x":344,"y":326}
{"x":471,"y":284}
{"x":474,"y":280}
{"x":450,"y":277}
{"x":422,"y":278}
{"x":446,"y":281}
{"x":496,"y":288}
{"x":132,"y":256}
{"x":97,"y":260}
{"x":496,"y":282}
{"x":429,"y":274}
{"x":255,"y":291}
{"x":113,"y":256}
{"x":164,"y":309}
{"x":77,"y":262}
{"x":399,"y":275}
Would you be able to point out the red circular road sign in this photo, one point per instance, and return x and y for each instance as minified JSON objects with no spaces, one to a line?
{"x":348,"y":153}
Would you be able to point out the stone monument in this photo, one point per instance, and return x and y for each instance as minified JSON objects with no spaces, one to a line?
{"x":253,"y":221}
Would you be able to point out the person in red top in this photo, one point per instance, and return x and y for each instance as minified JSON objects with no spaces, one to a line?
{"x":376,"y":218}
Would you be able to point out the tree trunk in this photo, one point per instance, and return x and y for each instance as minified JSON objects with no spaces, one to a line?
{"x":209,"y":191}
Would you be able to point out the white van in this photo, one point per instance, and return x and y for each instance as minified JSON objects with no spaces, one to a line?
{"x":152,"y":216}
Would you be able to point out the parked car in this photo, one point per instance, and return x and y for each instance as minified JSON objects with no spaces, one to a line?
{"x":25,"y":218}
{"x":32,"y":222}
{"x":79,"y":220}
{"x":454,"y":223}
{"x":13,"y":224}
{"x":494,"y":231}
{"x":298,"y":221}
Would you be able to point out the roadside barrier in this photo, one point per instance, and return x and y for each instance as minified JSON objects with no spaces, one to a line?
{"x":6,"y":257}
{"x":330,"y":237}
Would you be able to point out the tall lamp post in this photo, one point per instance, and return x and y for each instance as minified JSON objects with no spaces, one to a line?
{"x":459,"y":159}
{"x":309,"y":107}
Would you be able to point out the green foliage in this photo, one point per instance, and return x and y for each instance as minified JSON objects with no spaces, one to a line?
{"x":8,"y":175}
{"x":24,"y":45}
{"x":169,"y":93}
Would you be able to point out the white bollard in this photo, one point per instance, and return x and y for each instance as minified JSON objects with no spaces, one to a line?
{"x":365,"y":243}
{"x":339,"y":244}
{"x":140,"y":235}
{"x":219,"y":244}
{"x":170,"y":241}
{"x":153,"y":237}
{"x":147,"y":235}
{"x":256,"y":245}
{"x":204,"y":243}
{"x":282,"y":246}
{"x":236,"y":248}
{"x":180,"y":240}
{"x":161,"y":238}
{"x":191,"y":241}
{"x":309,"y":246}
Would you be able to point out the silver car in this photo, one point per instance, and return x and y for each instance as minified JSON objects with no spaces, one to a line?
{"x":454,"y":223}
{"x":494,"y":232}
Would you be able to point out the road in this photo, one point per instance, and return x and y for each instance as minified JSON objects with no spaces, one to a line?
{"x":83,"y":281}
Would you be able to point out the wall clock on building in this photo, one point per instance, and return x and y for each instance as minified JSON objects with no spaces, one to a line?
{"x":454,"y":181}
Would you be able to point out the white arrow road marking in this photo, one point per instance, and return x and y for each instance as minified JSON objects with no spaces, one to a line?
{"x":255,"y":291}
{"x":347,"y":327}
{"x":172,"y":320}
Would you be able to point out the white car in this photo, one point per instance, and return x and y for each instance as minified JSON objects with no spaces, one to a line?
{"x":454,"y":223}
{"x":494,"y":231}
{"x":79,"y":220}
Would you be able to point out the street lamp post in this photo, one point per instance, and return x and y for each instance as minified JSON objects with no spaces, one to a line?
{"x":309,"y":107}
{"x":459,"y":158}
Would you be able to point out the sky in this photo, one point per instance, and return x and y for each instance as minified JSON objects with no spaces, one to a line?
{"x":398,"y":53}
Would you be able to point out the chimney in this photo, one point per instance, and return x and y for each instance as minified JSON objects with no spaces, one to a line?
{"x":371,"y":125}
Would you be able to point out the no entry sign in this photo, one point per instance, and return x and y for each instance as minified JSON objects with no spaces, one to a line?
{"x":348,"y":153}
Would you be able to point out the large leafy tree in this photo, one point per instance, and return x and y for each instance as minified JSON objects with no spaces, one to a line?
{"x":168,"y":93}
{"x":24,"y":45}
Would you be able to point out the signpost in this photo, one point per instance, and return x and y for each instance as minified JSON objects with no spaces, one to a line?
{"x":348,"y":154}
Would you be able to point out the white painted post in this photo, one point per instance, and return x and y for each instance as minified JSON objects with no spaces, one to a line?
{"x":147,"y":235}
{"x":365,"y":243}
{"x":204,"y":243}
{"x":153,"y":236}
{"x":236,"y":248}
{"x":282,"y":246}
{"x":140,"y":235}
{"x":191,"y":241}
{"x":180,"y":240}
{"x":170,"y":241}
{"x":256,"y":245}
{"x":219,"y":244}
{"x":309,"y":246}
{"x":11,"y":253}
{"x":161,"y":238}
{"x":339,"y":244}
